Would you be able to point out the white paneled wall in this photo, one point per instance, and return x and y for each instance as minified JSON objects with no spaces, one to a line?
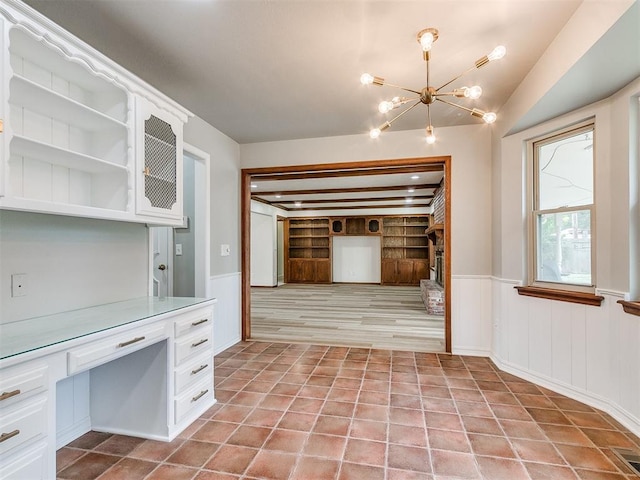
{"x":471,"y":315}
{"x":589,"y":353}
{"x":226,"y":323}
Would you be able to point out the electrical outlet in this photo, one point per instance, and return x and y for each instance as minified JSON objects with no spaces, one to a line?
{"x":225,"y":250}
{"x":178,"y":249}
{"x":18,"y":284}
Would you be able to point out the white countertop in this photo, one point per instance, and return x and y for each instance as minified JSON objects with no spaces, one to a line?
{"x":39,"y":332}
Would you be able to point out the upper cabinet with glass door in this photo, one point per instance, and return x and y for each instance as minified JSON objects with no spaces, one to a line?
{"x":70,"y":130}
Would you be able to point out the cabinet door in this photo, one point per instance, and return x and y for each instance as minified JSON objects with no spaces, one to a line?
{"x":388,"y":272}
{"x":323,"y":271}
{"x":3,"y":137}
{"x":159,"y":162}
{"x":404,"y":272}
{"x":421,"y":270}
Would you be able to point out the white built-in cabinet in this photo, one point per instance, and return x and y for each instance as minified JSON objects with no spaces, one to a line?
{"x":82,"y":136}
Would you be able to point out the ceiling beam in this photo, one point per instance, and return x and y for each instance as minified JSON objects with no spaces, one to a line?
{"x":354,"y":200}
{"x":348,"y":190}
{"x":356,"y":207}
{"x":355,"y":172}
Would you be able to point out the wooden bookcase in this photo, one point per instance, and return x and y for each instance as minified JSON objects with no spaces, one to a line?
{"x":308,"y":250}
{"x":405,"y":250}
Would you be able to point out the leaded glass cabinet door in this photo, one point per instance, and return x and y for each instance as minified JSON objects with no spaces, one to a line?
{"x":159,"y":156}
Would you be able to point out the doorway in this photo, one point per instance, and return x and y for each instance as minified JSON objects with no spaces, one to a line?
{"x":180,"y":256}
{"x":351,"y":170}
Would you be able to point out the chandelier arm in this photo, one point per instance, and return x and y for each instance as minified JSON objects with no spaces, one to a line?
{"x":403,"y":112}
{"x":429,"y":114}
{"x":455,"y":105}
{"x":401,"y":88}
{"x":455,"y":78}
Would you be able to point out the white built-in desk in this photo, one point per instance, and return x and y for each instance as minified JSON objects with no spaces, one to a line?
{"x":147,"y":367}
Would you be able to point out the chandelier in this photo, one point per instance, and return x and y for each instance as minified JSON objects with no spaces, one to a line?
{"x":428,"y":95}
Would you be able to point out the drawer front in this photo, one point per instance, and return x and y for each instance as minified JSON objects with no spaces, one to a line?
{"x":22,"y":422}
{"x":193,"y":345}
{"x":16,"y":384}
{"x":110,"y":348}
{"x":31,"y":464}
{"x":194,"y":371}
{"x":201,"y":319}
{"x":198,"y":396}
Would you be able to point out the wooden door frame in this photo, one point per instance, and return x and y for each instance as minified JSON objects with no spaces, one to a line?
{"x":245,"y":222}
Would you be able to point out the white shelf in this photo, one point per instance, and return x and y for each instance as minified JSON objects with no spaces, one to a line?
{"x":30,"y":95}
{"x":27,"y":147}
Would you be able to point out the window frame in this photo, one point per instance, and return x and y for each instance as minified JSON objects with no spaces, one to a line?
{"x":533,"y":210}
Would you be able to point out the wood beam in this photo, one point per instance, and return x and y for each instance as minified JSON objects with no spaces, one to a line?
{"x":351,"y":200}
{"x":356,"y":172}
{"x":348,"y":190}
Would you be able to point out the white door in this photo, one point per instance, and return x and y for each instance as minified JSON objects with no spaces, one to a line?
{"x":162,"y":265}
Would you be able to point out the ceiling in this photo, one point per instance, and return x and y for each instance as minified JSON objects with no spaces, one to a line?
{"x":269,"y":70}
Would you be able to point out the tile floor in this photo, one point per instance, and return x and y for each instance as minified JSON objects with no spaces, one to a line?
{"x":290,"y":412}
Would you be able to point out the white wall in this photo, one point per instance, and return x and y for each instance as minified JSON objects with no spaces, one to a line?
{"x":356,"y":259}
{"x":224,"y":283}
{"x":589,"y":353}
{"x":70,"y":263}
{"x":263,"y":251}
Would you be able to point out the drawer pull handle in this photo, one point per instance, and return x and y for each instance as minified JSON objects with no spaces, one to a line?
{"x":199,"y":369}
{"x":6,"y":395}
{"x":197,"y":344}
{"x":7,"y":436}
{"x":130,"y":342}
{"x":199,"y":322}
{"x":200,"y":395}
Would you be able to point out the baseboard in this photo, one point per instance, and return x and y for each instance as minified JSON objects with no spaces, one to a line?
{"x":470,"y":352}
{"x":67,"y":435}
{"x":593,"y":400}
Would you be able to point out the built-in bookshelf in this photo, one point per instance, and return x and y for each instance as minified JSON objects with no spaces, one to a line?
{"x":308,"y":250}
{"x":405,"y":249}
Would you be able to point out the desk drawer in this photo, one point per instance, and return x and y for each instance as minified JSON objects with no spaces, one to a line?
{"x":110,"y":348}
{"x":16,"y":384}
{"x":194,"y":371}
{"x":201,"y":319}
{"x":197,"y":396}
{"x":192,"y":345}
{"x":22,"y":422}
{"x":31,"y":464}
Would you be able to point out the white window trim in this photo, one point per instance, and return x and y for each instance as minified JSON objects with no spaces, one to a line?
{"x":532,"y":212}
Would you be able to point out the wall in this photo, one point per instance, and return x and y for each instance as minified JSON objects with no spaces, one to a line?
{"x":70,"y":263}
{"x":470,"y":150}
{"x":589,"y":353}
{"x":263,"y":251}
{"x":184,"y":274}
{"x":224,"y":283}
{"x":356,"y":259}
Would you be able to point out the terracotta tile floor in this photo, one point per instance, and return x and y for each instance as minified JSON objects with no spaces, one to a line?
{"x":311,"y":412}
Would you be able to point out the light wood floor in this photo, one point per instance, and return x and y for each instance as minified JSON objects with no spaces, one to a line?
{"x":371,"y":316}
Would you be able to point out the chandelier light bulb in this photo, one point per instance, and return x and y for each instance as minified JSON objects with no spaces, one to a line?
{"x":497,"y":53}
{"x":473,"y":92}
{"x":489,"y":117}
{"x":431,"y":138}
{"x":426,"y":40}
{"x":374,"y":133}
{"x":385,"y":106}
{"x":366,"y":79}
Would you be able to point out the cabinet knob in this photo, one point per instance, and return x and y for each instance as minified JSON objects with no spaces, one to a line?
{"x":162,"y":267}
{"x":146,"y":171}
{"x":1,"y":126}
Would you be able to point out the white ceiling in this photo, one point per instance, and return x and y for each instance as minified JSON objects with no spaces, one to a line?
{"x":269,"y":70}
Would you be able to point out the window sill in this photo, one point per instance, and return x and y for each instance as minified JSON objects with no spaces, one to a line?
{"x":632,"y":308}
{"x":561,"y":295}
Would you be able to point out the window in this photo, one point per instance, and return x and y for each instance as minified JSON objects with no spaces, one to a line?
{"x":562,"y":213}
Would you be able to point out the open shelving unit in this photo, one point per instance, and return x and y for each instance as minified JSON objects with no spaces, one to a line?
{"x":405,"y":250}
{"x":69,"y":133}
{"x":308,"y":250}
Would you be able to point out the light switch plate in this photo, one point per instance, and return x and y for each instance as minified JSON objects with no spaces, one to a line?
{"x":225,"y":250}
{"x":178,"y":249}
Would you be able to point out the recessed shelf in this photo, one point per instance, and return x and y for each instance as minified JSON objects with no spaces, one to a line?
{"x":34,"y":97}
{"x":28,"y":147}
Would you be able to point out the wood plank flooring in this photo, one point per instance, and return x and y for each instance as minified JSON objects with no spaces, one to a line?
{"x":372,"y":316}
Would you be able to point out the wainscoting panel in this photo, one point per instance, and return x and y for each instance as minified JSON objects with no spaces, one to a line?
{"x":588,"y":353}
{"x":227,"y":329}
{"x":471,"y":315}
